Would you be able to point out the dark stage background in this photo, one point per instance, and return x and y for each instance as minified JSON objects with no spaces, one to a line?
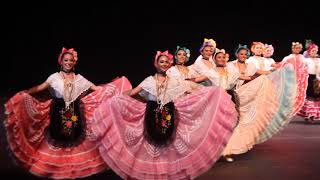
{"x":120,"y":38}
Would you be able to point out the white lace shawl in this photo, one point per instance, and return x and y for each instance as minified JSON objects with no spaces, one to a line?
{"x":261,"y":63}
{"x":57,"y":86}
{"x":174,"y":72}
{"x":175,"y":89}
{"x":250,"y":70}
{"x":226,"y":82}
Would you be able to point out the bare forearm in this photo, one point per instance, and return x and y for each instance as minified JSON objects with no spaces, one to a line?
{"x":261,"y":72}
{"x":246,"y":78}
{"x":94,"y":87}
{"x":201,"y":79}
{"x":38,"y":88}
{"x":133,"y":92}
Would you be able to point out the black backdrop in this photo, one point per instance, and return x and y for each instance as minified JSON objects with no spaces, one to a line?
{"x":120,"y":38}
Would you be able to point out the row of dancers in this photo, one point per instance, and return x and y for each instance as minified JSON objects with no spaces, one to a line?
{"x":174,"y":125}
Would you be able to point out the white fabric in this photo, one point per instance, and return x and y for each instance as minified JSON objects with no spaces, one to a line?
{"x":300,"y":56}
{"x":175,"y":89}
{"x":56,"y":83}
{"x":313,"y":66}
{"x":251,"y":69}
{"x":174,"y":72}
{"x":269,"y":62}
{"x":225,"y":82}
{"x":261,"y":63}
{"x":200,"y":58}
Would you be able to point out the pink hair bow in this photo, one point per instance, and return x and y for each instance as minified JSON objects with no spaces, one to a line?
{"x":71,"y":51}
{"x":165,"y":53}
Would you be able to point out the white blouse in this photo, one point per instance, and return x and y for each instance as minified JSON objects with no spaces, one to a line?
{"x":174,"y":90}
{"x":261,"y":63}
{"x":174,"y":72}
{"x":313,"y":66}
{"x":56,"y":82}
{"x":251,"y":69}
{"x":226,"y":82}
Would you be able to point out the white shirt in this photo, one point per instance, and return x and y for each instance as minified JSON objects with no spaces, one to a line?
{"x":313,"y":66}
{"x":261,"y":63}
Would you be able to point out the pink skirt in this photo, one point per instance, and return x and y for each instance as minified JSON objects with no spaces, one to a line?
{"x":205,"y":121}
{"x":26,"y":123}
{"x":302,"y":75}
{"x":311,"y":109}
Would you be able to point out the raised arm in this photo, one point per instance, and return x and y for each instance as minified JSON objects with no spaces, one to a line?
{"x":38,"y":88}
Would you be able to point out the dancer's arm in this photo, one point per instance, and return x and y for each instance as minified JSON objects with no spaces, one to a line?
{"x":94,"y":87}
{"x":133,"y":92}
{"x":198,"y":79}
{"x":38,"y":88}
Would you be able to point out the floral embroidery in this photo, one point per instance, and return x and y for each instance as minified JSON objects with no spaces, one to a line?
{"x":69,"y":121}
{"x":163,"y":118}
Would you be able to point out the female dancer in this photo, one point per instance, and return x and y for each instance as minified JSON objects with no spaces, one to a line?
{"x":52,"y":137}
{"x":171,"y":134}
{"x":311,"y":107}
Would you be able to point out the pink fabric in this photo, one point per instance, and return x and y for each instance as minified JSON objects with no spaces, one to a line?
{"x":310,"y":109}
{"x":302,"y":81}
{"x":27,"y":119}
{"x":205,"y":121}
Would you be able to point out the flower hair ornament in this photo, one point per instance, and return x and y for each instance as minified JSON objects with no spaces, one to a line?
{"x":294,"y":44}
{"x":255,"y":44}
{"x":311,"y":46}
{"x":219,"y":51}
{"x":208,"y":42}
{"x":71,"y":51}
{"x":270,"y":48}
{"x":165,"y":53}
{"x":240,"y":47}
{"x":183,"y":49}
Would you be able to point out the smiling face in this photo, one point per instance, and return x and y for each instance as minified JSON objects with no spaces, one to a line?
{"x":296,"y":49}
{"x":257,"y":50}
{"x":267,"y":53}
{"x":242,"y":55}
{"x":68,"y":62}
{"x":207,"y":52}
{"x":220,"y":59}
{"x":181,"y":57}
{"x":314,"y":52}
{"x":163,"y":64}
